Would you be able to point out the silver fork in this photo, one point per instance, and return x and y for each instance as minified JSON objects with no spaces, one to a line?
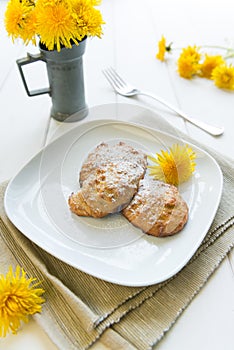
{"x":125,"y":89}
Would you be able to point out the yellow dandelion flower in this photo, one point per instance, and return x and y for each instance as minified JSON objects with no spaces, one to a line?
{"x":89,"y":19}
{"x":174,"y":166}
{"x":29,"y":33}
{"x":20,"y":20}
{"x":188,"y":62}
{"x":55,"y":24}
{"x":19,"y":298}
{"x":210,"y":62}
{"x":162,"y":49}
{"x":223,"y":76}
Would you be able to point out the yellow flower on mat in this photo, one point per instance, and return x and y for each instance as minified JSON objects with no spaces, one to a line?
{"x":19,"y":298}
{"x":223,"y":77}
{"x":210,"y":62}
{"x":188,"y":62}
{"x":162,"y":48}
{"x":174,"y":166}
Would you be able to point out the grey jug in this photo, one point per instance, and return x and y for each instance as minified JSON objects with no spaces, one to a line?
{"x":66,"y":81}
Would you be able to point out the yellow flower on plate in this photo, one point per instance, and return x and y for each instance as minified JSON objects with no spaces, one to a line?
{"x":162,"y":49}
{"x":19,"y":298}
{"x":174,"y":166}
{"x":223,"y":76}
{"x":188,"y":62}
{"x":210,"y":62}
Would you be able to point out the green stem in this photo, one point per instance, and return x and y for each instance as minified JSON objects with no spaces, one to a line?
{"x":230,"y":55}
{"x":209,"y":47}
{"x":216,"y":47}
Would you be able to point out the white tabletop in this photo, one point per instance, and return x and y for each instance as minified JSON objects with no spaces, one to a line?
{"x":129,"y":43}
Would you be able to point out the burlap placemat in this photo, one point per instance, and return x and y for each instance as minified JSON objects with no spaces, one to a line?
{"x":81,"y":310}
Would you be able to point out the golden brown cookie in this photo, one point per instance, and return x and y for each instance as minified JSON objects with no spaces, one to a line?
{"x":105,"y":153}
{"x":157,"y":208}
{"x":109,"y":180}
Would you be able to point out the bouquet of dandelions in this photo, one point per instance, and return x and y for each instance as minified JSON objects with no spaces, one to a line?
{"x":55,"y":23}
{"x":192,"y":62}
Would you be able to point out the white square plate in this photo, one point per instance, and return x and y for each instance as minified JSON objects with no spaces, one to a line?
{"x":109,"y":248}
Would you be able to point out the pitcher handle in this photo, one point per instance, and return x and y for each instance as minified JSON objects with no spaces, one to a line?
{"x":26,"y":60}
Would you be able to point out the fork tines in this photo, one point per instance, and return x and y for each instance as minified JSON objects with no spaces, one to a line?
{"x":113,"y":77}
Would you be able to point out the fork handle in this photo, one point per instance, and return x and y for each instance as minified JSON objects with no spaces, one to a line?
{"x":211,"y":129}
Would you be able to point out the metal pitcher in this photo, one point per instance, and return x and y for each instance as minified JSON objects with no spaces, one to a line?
{"x":66,"y":81}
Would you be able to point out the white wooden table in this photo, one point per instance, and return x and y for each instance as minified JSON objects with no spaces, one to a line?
{"x":131,"y":33}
